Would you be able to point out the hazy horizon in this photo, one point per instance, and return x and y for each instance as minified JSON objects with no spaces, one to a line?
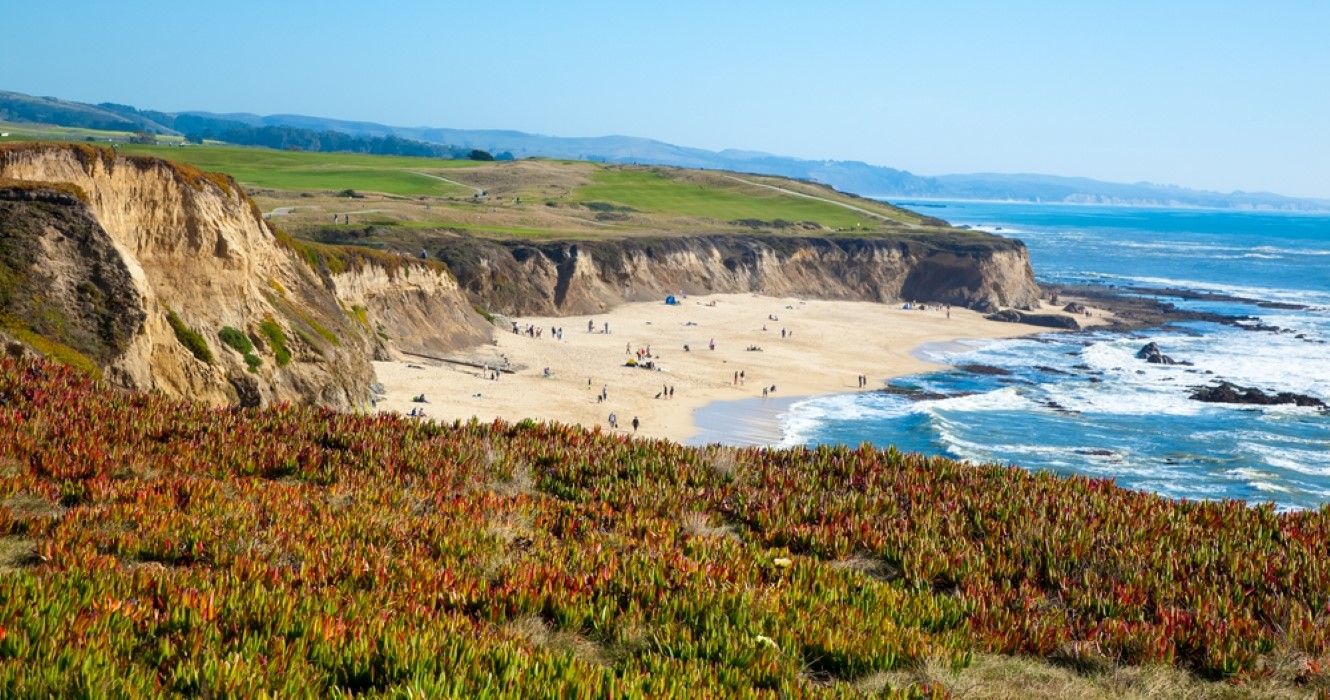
{"x":1212,"y":96}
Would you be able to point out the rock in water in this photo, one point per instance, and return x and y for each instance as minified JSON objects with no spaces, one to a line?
{"x":1046,"y":320}
{"x":1226,"y":392}
{"x":1152,"y":354}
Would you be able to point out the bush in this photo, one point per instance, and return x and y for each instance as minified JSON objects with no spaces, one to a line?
{"x":238,"y":341}
{"x":276,"y":340}
{"x":190,"y":338}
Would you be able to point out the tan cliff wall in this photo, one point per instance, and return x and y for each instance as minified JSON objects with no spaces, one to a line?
{"x":192,"y":244}
{"x":960,"y":268}
{"x":414,"y":308}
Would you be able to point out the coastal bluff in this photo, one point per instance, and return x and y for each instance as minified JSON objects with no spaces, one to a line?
{"x":553,"y":278}
{"x":158,"y":276}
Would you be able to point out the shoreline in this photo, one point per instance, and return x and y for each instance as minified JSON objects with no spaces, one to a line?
{"x":799,"y":347}
{"x":757,"y":422}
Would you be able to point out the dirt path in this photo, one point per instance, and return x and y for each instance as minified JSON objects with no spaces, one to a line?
{"x":805,"y":195}
{"x":451,"y":182}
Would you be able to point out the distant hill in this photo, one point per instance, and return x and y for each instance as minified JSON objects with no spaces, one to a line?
{"x":849,"y":176}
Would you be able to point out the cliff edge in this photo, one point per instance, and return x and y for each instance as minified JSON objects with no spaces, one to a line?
{"x":162,"y":277}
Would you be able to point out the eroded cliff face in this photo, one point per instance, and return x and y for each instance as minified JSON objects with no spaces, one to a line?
{"x":191,"y":244}
{"x":964,"y":269}
{"x":415,"y":309}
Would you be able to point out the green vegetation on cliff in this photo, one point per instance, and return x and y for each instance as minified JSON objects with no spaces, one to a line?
{"x":153,"y":547}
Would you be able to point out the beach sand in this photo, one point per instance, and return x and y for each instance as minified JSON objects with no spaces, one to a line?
{"x":828,"y":344}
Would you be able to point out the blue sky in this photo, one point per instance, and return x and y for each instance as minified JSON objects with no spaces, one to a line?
{"x":1219,"y":95}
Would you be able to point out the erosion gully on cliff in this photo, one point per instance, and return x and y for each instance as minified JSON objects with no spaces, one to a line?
{"x":159,"y":276}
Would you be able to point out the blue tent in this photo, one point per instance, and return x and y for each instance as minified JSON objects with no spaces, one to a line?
{"x":671,"y":300}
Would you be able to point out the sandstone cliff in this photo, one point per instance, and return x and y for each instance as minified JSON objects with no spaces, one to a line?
{"x":141,"y":265}
{"x":961,"y":268}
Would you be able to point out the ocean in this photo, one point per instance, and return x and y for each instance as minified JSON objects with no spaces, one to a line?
{"x":1083,"y":404}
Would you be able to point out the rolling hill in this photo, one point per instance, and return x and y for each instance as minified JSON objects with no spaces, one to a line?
{"x":849,"y":176}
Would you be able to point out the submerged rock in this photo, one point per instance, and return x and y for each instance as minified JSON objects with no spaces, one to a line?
{"x":984,"y":369}
{"x":1227,"y":392}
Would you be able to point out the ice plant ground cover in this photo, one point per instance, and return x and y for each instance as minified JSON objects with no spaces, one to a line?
{"x":153,"y":547}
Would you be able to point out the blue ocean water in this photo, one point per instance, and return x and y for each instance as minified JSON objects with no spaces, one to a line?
{"x":1082,"y":403}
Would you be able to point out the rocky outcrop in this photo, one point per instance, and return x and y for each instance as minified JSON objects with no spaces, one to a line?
{"x":1225,"y":392}
{"x":565,"y":278}
{"x":125,"y":244}
{"x":1045,"y":320}
{"x":1152,"y":353}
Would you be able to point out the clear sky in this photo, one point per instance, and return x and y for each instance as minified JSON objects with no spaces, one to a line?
{"x":1211,"y":94}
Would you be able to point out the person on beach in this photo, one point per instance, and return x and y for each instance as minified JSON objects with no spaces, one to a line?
{"x":635,"y":423}
{"x":671,"y":391}
{"x":742,"y":377}
{"x":614,"y":420}
{"x":764,"y":392}
{"x":736,"y":379}
{"x":712,"y":344}
{"x":590,"y":326}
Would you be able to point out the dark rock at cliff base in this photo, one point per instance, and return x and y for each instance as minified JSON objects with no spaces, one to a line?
{"x":247,"y":391}
{"x":1074,"y":308}
{"x":1225,"y":392}
{"x":984,"y":369}
{"x":1155,"y":356}
{"x":1045,"y":320}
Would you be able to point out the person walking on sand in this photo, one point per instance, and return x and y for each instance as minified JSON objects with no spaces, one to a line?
{"x":764,"y":392}
{"x":742,"y":377}
{"x":614,"y":420}
{"x":736,"y":379}
{"x":712,"y":344}
{"x":590,"y":326}
{"x":635,"y":423}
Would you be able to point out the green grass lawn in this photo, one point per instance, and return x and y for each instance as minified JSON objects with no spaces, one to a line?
{"x":299,"y":170}
{"x":651,"y":191}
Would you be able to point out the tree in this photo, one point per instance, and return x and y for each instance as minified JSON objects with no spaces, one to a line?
{"x":477,"y":154}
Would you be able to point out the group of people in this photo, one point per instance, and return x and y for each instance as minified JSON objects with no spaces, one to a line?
{"x":591,"y":327}
{"x":863,"y":381}
{"x":532,"y":331}
{"x":666,"y":392}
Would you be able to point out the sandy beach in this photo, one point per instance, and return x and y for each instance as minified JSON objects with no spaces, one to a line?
{"x":826,"y":346}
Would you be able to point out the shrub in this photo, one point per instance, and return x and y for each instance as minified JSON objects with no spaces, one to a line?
{"x":238,"y":341}
{"x":276,"y":340}
{"x":190,"y":338}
